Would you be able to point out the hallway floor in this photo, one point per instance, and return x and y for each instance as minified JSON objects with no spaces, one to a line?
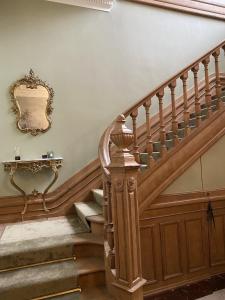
{"x":218,"y":295}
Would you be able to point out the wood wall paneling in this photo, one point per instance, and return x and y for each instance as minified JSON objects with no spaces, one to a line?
{"x":148,"y":252}
{"x":197,"y":245}
{"x":189,"y":247}
{"x":217,"y":239}
{"x":171,"y":249}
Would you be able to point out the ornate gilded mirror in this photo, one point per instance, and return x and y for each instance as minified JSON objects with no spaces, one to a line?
{"x":32,"y":102}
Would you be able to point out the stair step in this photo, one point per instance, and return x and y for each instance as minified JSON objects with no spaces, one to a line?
{"x":87,"y":209}
{"x":96,"y":223}
{"x":98,"y":293}
{"x":44,"y":250}
{"x":95,"y":293}
{"x":144,"y":157}
{"x":96,"y":219}
{"x":66,"y":296}
{"x":98,"y":196}
{"x":43,"y":280}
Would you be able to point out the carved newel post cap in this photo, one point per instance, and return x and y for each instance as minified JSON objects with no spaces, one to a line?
{"x":122,"y":137}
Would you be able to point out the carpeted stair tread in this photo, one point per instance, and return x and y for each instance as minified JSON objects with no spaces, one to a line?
{"x":42,"y":280}
{"x":96,"y":293}
{"x":67,"y":225}
{"x":87,"y":209}
{"x":90,"y":208}
{"x":37,"y":281}
{"x":70,"y":296}
{"x":44,"y":249}
{"x":98,"y":196}
{"x":96,"y":219}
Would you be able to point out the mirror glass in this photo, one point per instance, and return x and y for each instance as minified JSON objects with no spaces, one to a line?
{"x":32,"y":100}
{"x":32,"y":104}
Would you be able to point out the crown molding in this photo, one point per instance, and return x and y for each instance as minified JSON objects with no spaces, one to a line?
{"x":105,"y":5}
{"x":209,"y":8}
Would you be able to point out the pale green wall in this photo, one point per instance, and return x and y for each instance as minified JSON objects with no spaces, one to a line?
{"x":98,"y":64}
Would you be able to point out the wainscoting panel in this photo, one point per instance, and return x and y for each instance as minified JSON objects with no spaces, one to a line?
{"x":180,"y":244}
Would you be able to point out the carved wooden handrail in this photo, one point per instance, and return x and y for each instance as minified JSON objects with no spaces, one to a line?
{"x":105,"y":139}
{"x":120,"y":164}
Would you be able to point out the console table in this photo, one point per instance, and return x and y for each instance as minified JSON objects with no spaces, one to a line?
{"x":34,"y":166}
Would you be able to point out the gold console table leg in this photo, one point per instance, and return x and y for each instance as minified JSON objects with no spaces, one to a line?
{"x":25,"y":197}
{"x":56,"y":174}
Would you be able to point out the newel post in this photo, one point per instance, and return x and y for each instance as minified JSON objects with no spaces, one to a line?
{"x":128,"y":284}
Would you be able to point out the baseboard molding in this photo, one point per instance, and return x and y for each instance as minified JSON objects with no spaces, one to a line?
{"x":203,"y":286}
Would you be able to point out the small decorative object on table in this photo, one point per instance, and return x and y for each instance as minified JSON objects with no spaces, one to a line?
{"x":17,"y":153}
{"x":50,"y":154}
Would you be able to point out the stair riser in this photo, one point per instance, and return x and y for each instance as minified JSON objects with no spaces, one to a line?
{"x":97,"y":228}
{"x":38,"y":290}
{"x":92,"y":279}
{"x":88,"y":251}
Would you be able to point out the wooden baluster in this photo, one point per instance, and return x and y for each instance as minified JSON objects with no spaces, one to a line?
{"x":149,"y":142}
{"x":172,"y":87}
{"x":163,"y":149}
{"x":195,"y":70}
{"x":184,"y":78}
{"x":224,"y":49}
{"x":218,"y":85}
{"x":207,"y":87}
{"x":109,"y":228}
{"x":136,"y":153}
{"x":128,"y":282}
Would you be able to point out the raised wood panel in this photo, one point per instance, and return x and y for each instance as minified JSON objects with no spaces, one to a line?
{"x":196,"y":238}
{"x":217,"y":241}
{"x":171,"y":250}
{"x":148,"y":254}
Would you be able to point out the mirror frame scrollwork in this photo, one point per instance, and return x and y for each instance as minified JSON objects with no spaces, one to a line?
{"x":32,"y":81}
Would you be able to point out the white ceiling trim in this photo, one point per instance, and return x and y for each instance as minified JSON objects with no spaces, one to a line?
{"x":105,"y":5}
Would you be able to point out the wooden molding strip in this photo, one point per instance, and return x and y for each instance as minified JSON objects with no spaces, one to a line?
{"x":210,"y":8}
{"x":170,"y":200}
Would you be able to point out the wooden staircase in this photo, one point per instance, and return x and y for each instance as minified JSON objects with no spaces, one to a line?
{"x":171,"y":128}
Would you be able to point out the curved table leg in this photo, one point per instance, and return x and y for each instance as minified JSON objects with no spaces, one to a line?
{"x":11,"y":176}
{"x":55,"y":171}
